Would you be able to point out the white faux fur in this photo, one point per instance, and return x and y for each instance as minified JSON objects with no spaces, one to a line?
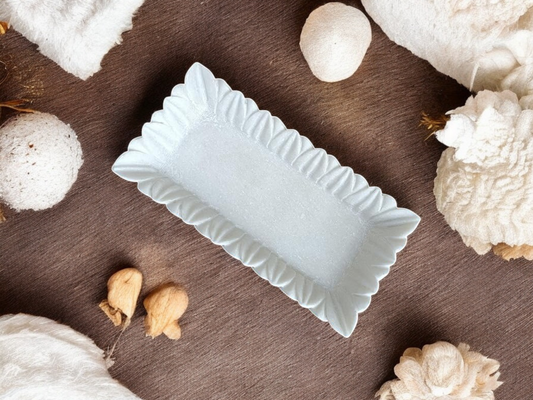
{"x":43,"y":360}
{"x":76,"y":34}
{"x":483,"y":44}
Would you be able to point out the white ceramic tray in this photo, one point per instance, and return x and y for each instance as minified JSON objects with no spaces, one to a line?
{"x":290,"y":211}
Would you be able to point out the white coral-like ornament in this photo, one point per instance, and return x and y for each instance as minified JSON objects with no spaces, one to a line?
{"x":441,"y":371}
{"x":484,"y":183}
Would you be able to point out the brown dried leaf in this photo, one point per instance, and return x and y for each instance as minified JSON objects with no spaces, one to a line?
{"x":511,"y":252}
{"x":165,"y":305}
{"x":123,"y":288}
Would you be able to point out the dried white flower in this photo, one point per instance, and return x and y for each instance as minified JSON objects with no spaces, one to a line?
{"x":485,"y":179}
{"x":441,"y":371}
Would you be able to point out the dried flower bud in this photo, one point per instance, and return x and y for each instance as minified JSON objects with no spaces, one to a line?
{"x":165,"y":305}
{"x":123,"y":288}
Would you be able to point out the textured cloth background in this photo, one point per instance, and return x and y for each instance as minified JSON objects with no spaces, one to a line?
{"x":242,"y":338}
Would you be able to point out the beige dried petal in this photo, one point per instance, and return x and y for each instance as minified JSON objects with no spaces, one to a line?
{"x":414,"y":353}
{"x":385,"y":392}
{"x":123,"y":288}
{"x":165,"y":305}
{"x":394,"y":390}
{"x":411,"y":374}
{"x":442,"y":371}
{"x":443,"y":367}
{"x":4,"y":26}
{"x":511,"y":252}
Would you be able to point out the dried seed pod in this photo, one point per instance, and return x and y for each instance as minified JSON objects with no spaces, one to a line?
{"x":165,"y":305}
{"x":123,"y":288}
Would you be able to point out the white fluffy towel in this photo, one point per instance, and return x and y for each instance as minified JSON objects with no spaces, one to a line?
{"x":76,"y":34}
{"x":43,"y":360}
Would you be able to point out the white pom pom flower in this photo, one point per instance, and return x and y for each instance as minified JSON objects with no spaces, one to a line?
{"x":39,"y":161}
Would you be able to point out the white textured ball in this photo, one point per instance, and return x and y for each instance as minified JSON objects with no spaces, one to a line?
{"x":43,"y":360}
{"x":334,"y":41}
{"x":39,"y":161}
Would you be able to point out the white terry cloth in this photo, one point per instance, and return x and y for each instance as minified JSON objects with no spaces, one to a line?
{"x":76,"y":34}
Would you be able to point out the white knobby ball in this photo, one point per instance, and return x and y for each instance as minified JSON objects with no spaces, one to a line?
{"x":39,"y":161}
{"x":334,"y":40}
{"x":41,"y":359}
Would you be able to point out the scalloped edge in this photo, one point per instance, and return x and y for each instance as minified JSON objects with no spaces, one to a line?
{"x":204,"y":95}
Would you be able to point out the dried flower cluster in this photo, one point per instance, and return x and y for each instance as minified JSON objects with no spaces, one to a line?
{"x":164,"y":305}
{"x":441,"y":371}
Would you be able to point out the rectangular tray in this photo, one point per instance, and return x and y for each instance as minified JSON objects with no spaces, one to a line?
{"x":271,"y":199}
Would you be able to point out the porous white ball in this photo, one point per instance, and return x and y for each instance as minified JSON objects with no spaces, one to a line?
{"x":334,"y":41}
{"x":39,"y":161}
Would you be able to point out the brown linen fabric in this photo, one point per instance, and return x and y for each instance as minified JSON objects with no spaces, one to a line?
{"x":242,"y":338}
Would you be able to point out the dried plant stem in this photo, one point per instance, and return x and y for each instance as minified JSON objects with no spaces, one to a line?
{"x":433,"y":124}
{"x":108,"y":354}
{"x":2,"y":216}
{"x":17,"y":105}
{"x":5,"y":74}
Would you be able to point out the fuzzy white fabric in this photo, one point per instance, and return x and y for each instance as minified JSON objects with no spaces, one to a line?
{"x":334,"y":41}
{"x":43,"y":360}
{"x":483,"y":44}
{"x":76,"y":34}
{"x":484,"y":179}
{"x":39,"y":161}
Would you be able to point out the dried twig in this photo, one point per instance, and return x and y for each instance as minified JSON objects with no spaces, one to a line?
{"x":2,"y":216}
{"x":17,"y":105}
